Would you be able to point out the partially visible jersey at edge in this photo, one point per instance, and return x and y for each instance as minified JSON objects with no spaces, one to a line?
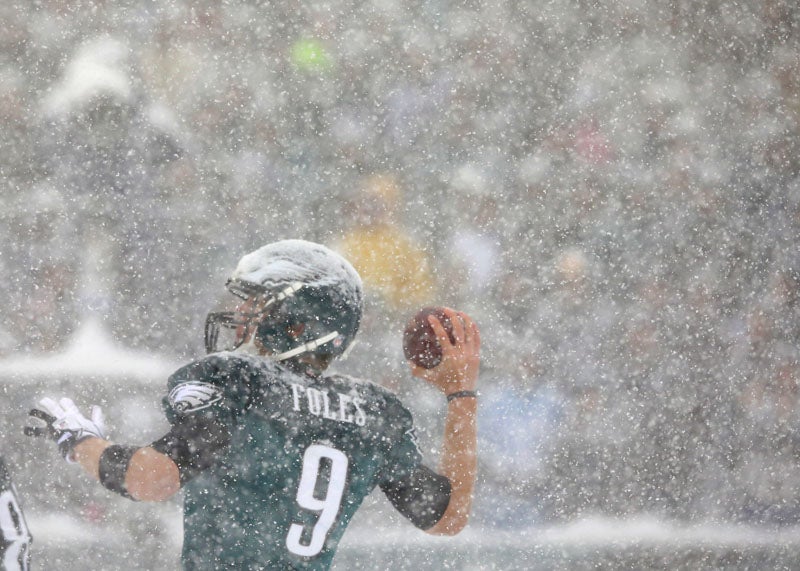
{"x":16,"y":539}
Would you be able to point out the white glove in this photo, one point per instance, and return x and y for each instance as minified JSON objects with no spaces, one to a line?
{"x":66,"y":425}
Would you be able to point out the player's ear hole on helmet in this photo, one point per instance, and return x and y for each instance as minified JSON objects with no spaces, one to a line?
{"x":295,"y":330}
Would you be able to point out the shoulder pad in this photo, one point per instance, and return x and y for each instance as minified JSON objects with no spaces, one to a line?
{"x":190,"y":396}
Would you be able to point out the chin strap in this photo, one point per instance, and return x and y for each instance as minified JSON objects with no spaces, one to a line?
{"x":310,"y":346}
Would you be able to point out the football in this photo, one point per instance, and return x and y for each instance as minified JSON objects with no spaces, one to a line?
{"x":419,"y":341}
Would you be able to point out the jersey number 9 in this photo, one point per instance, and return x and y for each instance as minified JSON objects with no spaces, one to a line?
{"x":328,"y":505}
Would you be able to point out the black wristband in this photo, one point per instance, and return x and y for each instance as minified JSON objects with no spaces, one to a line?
{"x":113,"y":467}
{"x":459,"y":394}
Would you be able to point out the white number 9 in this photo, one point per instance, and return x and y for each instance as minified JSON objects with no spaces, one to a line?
{"x":328,"y":506}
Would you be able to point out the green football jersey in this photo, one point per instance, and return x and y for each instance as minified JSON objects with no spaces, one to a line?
{"x":304,"y":453}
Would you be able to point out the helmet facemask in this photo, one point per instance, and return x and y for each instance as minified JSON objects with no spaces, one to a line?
{"x":228,"y":330}
{"x":286,"y":322}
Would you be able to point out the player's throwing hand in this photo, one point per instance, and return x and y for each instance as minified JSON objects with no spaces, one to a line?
{"x":458,"y":369}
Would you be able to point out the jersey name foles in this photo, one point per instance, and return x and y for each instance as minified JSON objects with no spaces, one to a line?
{"x":328,"y":404}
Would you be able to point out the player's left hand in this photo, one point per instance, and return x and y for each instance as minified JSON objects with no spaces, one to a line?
{"x":65,"y":424}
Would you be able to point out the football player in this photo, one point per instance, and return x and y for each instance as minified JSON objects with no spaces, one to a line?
{"x":273,"y":454}
{"x":14,"y":549}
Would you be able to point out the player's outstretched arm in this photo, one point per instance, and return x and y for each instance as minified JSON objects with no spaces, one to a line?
{"x":150,"y":475}
{"x":139,"y":473}
{"x":457,"y":377}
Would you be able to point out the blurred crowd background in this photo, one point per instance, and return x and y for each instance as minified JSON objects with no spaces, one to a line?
{"x":612,"y":190}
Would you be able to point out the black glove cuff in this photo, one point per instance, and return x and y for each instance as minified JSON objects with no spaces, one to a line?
{"x":114,"y":462}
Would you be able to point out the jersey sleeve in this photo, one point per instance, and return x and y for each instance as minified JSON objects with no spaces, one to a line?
{"x":202,"y":403}
{"x":417,"y":492}
{"x":216,"y":384}
{"x":403,"y":455}
{"x":422,"y":496}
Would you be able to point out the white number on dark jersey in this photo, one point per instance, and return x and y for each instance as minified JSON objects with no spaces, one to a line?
{"x":327,"y":506}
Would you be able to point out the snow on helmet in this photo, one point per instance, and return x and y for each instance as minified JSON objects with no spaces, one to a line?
{"x":307,"y":299}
